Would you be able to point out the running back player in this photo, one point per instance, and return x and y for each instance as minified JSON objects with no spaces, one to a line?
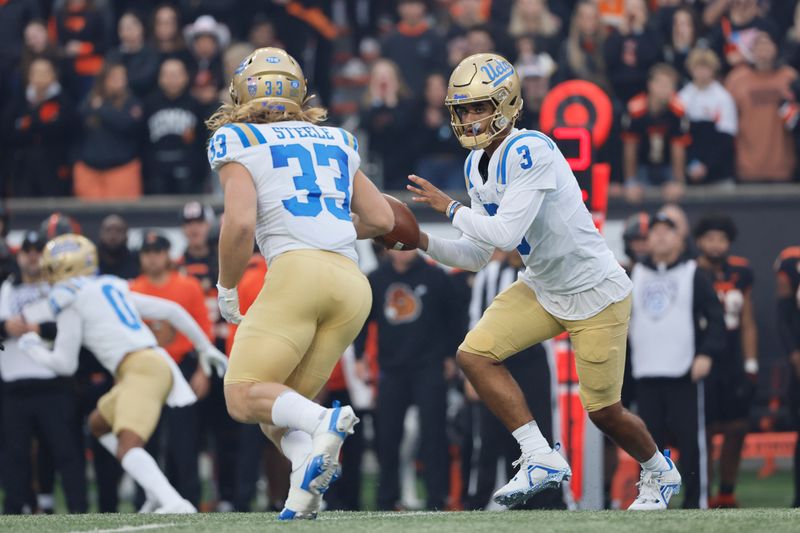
{"x":732,"y":383}
{"x":101,"y":313}
{"x":296,"y":187}
{"x":523,"y":195}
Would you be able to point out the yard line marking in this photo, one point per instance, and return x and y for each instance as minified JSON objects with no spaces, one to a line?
{"x":128,"y":528}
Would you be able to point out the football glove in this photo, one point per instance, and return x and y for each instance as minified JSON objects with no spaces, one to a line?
{"x":228,"y":302}
{"x":211,"y":357}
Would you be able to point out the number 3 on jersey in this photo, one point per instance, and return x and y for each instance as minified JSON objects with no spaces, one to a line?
{"x":307,"y":181}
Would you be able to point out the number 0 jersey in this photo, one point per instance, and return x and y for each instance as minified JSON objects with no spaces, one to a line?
{"x":110,"y":325}
{"x":303,"y":176}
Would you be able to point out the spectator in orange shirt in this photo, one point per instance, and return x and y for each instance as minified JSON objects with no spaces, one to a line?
{"x":158,"y":278}
{"x":764,"y":144}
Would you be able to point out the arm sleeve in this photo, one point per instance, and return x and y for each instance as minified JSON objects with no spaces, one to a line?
{"x":63,"y":358}
{"x":708,"y":306}
{"x":464,"y":253}
{"x":154,"y":308}
{"x":506,"y":229}
{"x":729,"y":119}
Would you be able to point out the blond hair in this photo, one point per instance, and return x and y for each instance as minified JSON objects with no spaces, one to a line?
{"x":546,"y":24}
{"x":703,"y":56}
{"x":257,"y":112}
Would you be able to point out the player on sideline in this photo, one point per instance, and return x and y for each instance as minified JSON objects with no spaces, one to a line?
{"x":101,"y":313}
{"x":523,"y":195}
{"x":292,"y":184}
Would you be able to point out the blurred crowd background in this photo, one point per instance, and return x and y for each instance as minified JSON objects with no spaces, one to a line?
{"x":107,"y":98}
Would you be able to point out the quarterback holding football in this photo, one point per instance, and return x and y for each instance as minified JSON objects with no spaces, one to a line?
{"x":524,"y":196}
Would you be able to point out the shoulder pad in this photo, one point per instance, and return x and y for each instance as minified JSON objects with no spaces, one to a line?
{"x":637,"y":106}
{"x":738,"y":261}
{"x":349,"y":139}
{"x":62,"y":296}
{"x":676,"y":107}
{"x":513,"y":150}
{"x":792,"y":252}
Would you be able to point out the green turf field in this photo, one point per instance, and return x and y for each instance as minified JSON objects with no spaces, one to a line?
{"x":750,"y":520}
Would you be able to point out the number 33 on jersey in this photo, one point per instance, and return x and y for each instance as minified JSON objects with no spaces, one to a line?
{"x":303,"y":176}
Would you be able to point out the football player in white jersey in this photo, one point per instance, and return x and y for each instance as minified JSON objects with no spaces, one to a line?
{"x":101,"y":313}
{"x":296,"y":187}
{"x":523,"y":195}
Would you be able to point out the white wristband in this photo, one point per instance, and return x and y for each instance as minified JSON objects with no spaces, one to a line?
{"x":751,"y":366}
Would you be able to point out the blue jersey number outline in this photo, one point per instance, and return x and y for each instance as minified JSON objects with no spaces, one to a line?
{"x":307,"y":181}
{"x":117,"y":300}
{"x":525,"y":152}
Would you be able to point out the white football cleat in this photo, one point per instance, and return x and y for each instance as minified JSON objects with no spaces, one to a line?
{"x":321,"y":468}
{"x":303,"y":503}
{"x":326,"y":443}
{"x":656,"y":488}
{"x":149,"y":506}
{"x":537,"y":472}
{"x":178,"y":507}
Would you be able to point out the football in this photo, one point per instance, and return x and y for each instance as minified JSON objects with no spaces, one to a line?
{"x":405,"y":234}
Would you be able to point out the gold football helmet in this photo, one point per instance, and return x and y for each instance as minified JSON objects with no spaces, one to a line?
{"x":483,"y":78}
{"x":271,"y":76}
{"x":68,"y":256}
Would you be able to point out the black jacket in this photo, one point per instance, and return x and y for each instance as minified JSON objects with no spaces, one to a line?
{"x":142,"y":68}
{"x":121,"y":262}
{"x":387,"y":128}
{"x":175,"y":135}
{"x":417,"y":315}
{"x":416,"y":56}
{"x":644,"y":49}
{"x":41,"y":136}
{"x":111,"y":134}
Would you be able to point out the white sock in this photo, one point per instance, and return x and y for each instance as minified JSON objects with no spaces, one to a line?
{"x":110,"y":442}
{"x":296,"y":446}
{"x":530,"y":438}
{"x":141,"y":466}
{"x":657,"y":463}
{"x":293,"y":411}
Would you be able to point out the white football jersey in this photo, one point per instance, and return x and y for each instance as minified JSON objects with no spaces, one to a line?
{"x":111,"y":325}
{"x":303,"y":176}
{"x":563,"y":252}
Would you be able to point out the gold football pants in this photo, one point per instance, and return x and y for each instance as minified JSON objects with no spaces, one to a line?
{"x":311,"y":307}
{"x":143,"y":382}
{"x":516,"y":320}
